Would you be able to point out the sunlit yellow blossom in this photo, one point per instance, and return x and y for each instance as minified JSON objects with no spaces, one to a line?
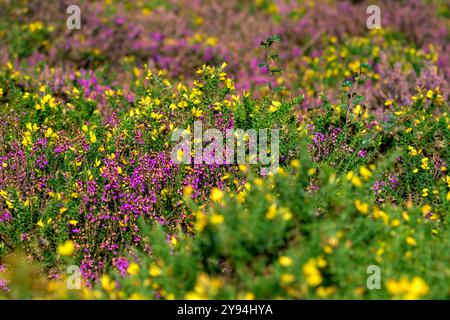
{"x":295,"y":164}
{"x":229,"y":84}
{"x":187,"y":190}
{"x":395,"y":223}
{"x":92,"y":137}
{"x":180,"y":154}
{"x":271,"y":212}
{"x":321,"y":262}
{"x":137,"y":296}
{"x":412,"y":151}
{"x":275,"y":106}
{"x":362,"y":207}
{"x":201,"y":221}
{"x":325,"y":292}
{"x":356,"y":181}
{"x":154,"y":271}
{"x":405,"y":216}
{"x":328,"y":249}
{"x":287,"y":278}
{"x":133,"y":268}
{"x":426,"y":209}
{"x":195,"y":296}
{"x":286,"y":214}
{"x":380,"y":214}
{"x":411,"y":241}
{"x":424,"y":164}
{"x":107,"y":283}
{"x":312,"y":273}
{"x":365,"y":173}
{"x":216,"y":219}
{"x":405,"y":289}
{"x":197,"y":112}
{"x":246,"y":296}
{"x":49,"y":133}
{"x":216,"y":194}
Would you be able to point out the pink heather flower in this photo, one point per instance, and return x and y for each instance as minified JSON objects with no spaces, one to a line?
{"x":121,"y":264}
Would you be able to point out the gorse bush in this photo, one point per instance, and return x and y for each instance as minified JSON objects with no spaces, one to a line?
{"x":92,"y":179}
{"x":276,"y":239}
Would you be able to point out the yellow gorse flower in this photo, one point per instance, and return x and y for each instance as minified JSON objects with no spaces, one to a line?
{"x":92,"y":137}
{"x":411,"y":241}
{"x":287,"y":278}
{"x":271,"y":212}
{"x":362,"y":207}
{"x":405,"y":289}
{"x":154,"y":271}
{"x":197,"y":112}
{"x":107,"y":283}
{"x":201,"y":221}
{"x":217,"y":219}
{"x":365,"y":173}
{"x":424,"y":164}
{"x":285,"y":261}
{"x":216,"y":194}
{"x":275,"y":106}
{"x":133,"y":268}
{"x":66,"y":249}
{"x":312,"y":273}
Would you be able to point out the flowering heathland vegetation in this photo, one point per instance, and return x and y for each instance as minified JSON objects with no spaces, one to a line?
{"x":94,"y":205}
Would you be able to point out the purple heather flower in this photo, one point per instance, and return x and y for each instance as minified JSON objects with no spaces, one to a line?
{"x":6,"y":216}
{"x":362,"y":153}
